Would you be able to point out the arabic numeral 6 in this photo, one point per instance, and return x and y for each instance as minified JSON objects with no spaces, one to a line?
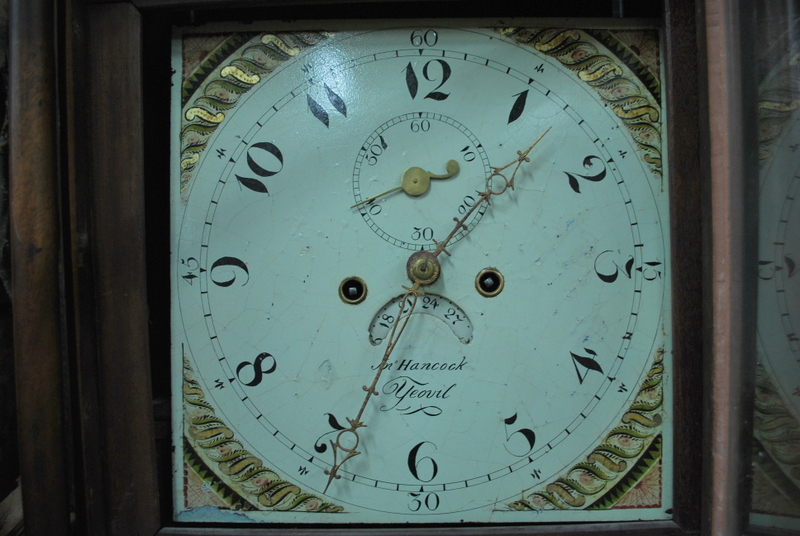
{"x":424,"y":466}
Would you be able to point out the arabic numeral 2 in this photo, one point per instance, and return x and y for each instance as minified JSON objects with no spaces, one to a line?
{"x":430,"y":502}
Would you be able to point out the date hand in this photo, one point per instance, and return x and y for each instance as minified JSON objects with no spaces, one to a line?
{"x":416,"y":181}
{"x":347,"y":440}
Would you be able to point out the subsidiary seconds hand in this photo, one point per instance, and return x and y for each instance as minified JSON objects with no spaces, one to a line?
{"x":423,"y":269}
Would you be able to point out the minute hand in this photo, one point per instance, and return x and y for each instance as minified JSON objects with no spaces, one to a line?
{"x":485,"y":196}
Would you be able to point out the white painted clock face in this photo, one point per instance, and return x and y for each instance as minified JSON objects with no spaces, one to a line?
{"x":779,"y":283}
{"x":483,"y":398}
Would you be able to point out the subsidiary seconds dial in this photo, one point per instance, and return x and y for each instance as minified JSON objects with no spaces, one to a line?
{"x":401,"y":153}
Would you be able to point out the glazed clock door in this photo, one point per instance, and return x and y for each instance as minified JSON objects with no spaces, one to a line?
{"x":420,"y":274}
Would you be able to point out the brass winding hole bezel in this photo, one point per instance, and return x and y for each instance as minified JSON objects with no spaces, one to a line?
{"x":352,"y":290}
{"x":483,"y":288}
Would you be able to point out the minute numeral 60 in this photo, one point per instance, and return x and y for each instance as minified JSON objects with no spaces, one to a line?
{"x":424,"y":37}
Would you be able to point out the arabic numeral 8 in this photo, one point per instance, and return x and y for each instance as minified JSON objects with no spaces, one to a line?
{"x":426,"y":37}
{"x":467,"y":204}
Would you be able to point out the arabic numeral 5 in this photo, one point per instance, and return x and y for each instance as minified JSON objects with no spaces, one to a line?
{"x":431,"y":501}
{"x":526,"y":435}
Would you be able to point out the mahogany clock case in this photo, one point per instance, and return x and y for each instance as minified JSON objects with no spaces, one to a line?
{"x":154,"y":21}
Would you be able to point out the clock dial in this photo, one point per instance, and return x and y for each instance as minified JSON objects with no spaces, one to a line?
{"x":776,"y":478}
{"x":538,"y":349}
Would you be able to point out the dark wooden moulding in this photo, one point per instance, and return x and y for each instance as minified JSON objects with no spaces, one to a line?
{"x":81,"y":162}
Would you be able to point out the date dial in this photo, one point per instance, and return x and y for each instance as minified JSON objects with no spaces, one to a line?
{"x":413,"y":172}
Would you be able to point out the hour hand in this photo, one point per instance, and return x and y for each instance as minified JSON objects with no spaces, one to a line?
{"x":416,"y":181}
